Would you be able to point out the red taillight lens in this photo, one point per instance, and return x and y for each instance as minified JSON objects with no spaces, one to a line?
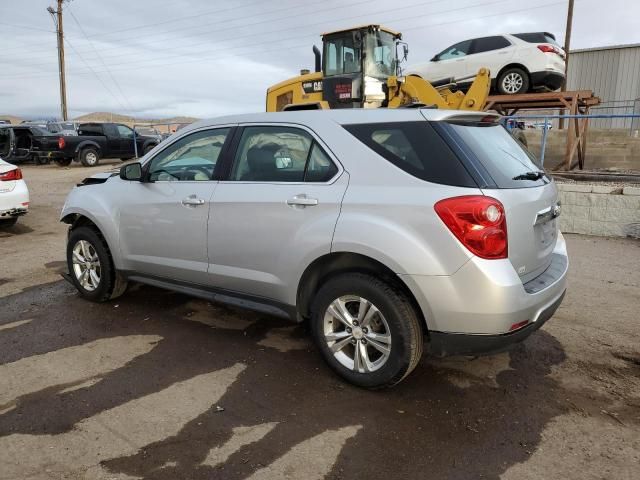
{"x":518,"y":326}
{"x":11,"y":175}
{"x":61,"y":143}
{"x":548,"y":49}
{"x":479,"y":222}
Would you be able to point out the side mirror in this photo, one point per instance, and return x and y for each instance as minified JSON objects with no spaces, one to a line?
{"x":131,"y":172}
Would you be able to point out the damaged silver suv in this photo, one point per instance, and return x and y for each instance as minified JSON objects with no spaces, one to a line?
{"x":390,"y":231}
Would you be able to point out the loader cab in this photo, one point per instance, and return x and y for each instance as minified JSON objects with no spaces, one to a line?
{"x":356,"y":64}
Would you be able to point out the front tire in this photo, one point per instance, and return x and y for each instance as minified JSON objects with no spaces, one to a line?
{"x":90,"y":266}
{"x":513,"y":81}
{"x":89,"y":157}
{"x":367,"y":330}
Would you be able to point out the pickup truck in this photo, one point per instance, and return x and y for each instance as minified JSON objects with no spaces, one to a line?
{"x":21,"y":143}
{"x":102,"y":140}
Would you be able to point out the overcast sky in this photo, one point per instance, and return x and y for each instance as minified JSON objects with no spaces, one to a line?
{"x":203,"y":58}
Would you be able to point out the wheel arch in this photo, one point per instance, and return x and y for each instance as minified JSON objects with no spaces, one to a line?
{"x":514,"y":65}
{"x":77,"y":219}
{"x":88,"y":143}
{"x":333,"y":264}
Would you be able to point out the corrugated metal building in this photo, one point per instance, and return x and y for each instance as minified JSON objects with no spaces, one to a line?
{"x":613,"y":73}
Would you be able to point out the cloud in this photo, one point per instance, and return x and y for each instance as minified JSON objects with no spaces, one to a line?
{"x":165,"y":58}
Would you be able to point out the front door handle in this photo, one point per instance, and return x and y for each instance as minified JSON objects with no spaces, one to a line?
{"x":192,"y":201}
{"x":302,"y":200}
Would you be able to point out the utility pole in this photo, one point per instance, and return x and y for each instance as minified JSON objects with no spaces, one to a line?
{"x":56,"y":15}
{"x":567,"y":46}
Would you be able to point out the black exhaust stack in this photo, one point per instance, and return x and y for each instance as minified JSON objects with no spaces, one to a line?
{"x":318,"y":55}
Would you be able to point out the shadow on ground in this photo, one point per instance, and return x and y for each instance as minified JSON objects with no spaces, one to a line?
{"x":445,"y":420}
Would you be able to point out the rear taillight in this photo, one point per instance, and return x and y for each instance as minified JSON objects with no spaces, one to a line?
{"x":548,"y":49}
{"x":61,"y":143}
{"x":479,"y":222}
{"x":11,"y":175}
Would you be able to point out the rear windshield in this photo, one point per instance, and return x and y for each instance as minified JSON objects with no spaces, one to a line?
{"x":499,"y":153}
{"x":416,"y":148}
{"x":538,"y":37}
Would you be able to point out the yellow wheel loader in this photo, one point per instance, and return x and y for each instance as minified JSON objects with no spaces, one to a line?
{"x":359,"y":68}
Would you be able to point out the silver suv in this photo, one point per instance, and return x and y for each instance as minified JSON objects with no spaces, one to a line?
{"x":389,"y":231}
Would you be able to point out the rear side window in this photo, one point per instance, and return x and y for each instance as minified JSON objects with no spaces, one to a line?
{"x":537,"y":37}
{"x":90,"y":129}
{"x":416,"y":148}
{"x":488,"y":44}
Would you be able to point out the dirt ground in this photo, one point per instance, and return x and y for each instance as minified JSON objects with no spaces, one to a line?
{"x":161,"y":386}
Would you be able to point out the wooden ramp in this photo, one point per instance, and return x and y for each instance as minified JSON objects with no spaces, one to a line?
{"x":571,"y":103}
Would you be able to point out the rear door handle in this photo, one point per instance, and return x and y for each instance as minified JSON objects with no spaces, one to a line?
{"x":302,"y":200}
{"x":192,"y":201}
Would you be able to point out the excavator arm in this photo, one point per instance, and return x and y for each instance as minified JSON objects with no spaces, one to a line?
{"x":408,"y":90}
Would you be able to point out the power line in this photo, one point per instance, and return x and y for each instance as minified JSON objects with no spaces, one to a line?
{"x":103,"y":63}
{"x":281,"y":31}
{"x":262,"y":52}
{"x":26,"y":27}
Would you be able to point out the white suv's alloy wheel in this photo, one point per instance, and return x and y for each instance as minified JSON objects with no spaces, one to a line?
{"x":86,"y":265}
{"x":357,"y":334}
{"x":512,"y":82}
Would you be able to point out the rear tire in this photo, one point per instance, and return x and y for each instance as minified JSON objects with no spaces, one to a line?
{"x":91,"y":267}
{"x":513,"y":81}
{"x":89,"y":157}
{"x":375,"y":349}
{"x":147,"y":149}
{"x":6,"y":223}
{"x":63,"y":162}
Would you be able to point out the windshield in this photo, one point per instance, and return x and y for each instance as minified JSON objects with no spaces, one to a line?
{"x":342,"y":54}
{"x":380,"y":55}
{"x":501,"y":155}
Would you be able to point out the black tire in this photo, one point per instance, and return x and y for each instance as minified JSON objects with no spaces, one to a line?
{"x":513,"y":81}
{"x":147,"y":149}
{"x":89,"y":157}
{"x":38,"y":160}
{"x":520,"y":136}
{"x":401,"y":318}
{"x":63,"y":162}
{"x":111,"y":283}
{"x":10,"y":222}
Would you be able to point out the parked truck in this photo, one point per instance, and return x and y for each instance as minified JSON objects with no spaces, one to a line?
{"x":102,"y":140}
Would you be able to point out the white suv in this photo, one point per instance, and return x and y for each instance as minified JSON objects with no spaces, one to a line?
{"x":519,"y":63}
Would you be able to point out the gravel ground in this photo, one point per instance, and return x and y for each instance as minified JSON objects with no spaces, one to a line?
{"x":161,"y":386}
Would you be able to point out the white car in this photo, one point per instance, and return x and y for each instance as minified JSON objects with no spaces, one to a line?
{"x":519,"y":63}
{"x":14,"y":194}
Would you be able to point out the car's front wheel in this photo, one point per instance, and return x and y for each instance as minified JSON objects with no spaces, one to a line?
{"x":367,"y":330}
{"x":513,"y":81}
{"x":91,"y":267}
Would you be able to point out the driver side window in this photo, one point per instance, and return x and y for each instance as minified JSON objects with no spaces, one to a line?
{"x":192,"y":158}
{"x":455,"y":51}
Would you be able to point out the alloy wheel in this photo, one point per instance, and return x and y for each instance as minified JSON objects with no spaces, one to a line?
{"x":357,"y":334}
{"x":86,"y":265}
{"x":512,"y":82}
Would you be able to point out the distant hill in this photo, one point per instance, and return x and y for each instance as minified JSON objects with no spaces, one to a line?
{"x":114,"y":117}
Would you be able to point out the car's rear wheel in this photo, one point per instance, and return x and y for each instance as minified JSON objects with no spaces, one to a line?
{"x":367,"y":330}
{"x":8,"y":222}
{"x":89,"y":157}
{"x":91,"y":267}
{"x":513,"y":81}
{"x":63,"y":162}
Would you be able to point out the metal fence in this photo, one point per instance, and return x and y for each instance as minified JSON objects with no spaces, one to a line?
{"x":546,"y":122}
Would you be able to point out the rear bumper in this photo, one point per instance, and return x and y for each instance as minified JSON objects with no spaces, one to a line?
{"x":549,"y":79}
{"x":443,"y":344}
{"x":474,"y":309}
{"x":15,"y":202}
